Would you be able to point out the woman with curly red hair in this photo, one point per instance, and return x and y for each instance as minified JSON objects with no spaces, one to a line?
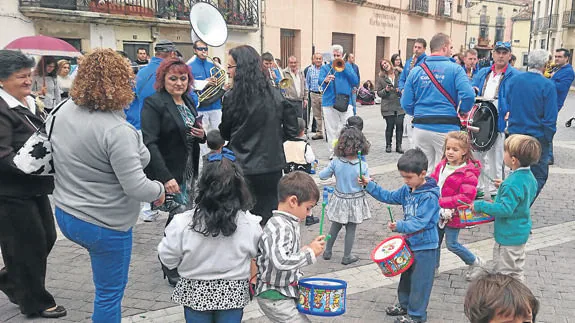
{"x":172,"y":132}
{"x":100,"y":182}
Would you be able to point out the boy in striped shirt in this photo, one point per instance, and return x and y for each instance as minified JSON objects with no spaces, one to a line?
{"x":280,"y":255}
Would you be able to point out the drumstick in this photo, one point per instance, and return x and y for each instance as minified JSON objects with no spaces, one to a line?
{"x":390,"y":214}
{"x":489,"y":178}
{"x":461,"y":202}
{"x":359,"y":158}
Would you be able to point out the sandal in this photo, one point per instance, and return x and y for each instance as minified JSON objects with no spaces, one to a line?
{"x":395,"y":310}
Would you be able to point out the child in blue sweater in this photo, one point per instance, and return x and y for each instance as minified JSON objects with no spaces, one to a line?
{"x":511,"y":206}
{"x":420,"y":200}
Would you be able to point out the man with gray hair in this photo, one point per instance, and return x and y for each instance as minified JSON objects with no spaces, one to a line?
{"x":532,"y":103}
{"x":337,"y":87}
{"x":432,"y":93}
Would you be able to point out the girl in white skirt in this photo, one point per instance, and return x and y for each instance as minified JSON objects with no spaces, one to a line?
{"x":348,"y":205}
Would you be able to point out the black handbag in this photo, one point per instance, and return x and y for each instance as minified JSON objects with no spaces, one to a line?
{"x":341,"y":100}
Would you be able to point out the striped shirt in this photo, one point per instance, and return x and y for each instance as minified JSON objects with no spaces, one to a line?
{"x":279,"y":255}
{"x":311,"y":79}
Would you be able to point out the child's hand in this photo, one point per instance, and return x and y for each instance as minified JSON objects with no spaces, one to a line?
{"x":497,"y":182}
{"x":362,"y":180}
{"x":392,"y":226}
{"x":317,"y":245}
{"x":472,"y":207}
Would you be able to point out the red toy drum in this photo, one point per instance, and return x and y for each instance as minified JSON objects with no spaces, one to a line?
{"x":393,"y":256}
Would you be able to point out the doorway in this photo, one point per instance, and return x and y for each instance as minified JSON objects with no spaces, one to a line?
{"x":379,"y":54}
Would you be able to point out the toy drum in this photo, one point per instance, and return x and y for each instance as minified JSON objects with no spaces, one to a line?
{"x":321,"y":296}
{"x":393,"y":256}
{"x":470,"y":218}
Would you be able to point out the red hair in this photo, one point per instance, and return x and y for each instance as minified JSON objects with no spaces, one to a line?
{"x":172,"y":65}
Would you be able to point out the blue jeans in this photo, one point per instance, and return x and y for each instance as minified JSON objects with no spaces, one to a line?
{"x":415,"y":284}
{"x":354,"y":103}
{"x":110,"y":253}
{"x":453,"y":245}
{"x":541,"y":169}
{"x":550,"y":152}
{"x":223,"y":316}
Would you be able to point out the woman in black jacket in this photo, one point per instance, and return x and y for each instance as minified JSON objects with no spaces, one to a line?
{"x":27,"y":230}
{"x":172,"y":133}
{"x":256,"y":119}
{"x":386,"y":87}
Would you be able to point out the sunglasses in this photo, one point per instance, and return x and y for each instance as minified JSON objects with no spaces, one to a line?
{"x":506,"y":44}
{"x":203,"y":49}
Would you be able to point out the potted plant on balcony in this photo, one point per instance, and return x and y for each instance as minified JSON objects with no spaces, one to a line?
{"x":172,"y":12}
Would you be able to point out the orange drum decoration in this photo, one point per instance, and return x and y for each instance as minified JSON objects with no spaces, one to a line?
{"x":393,"y":256}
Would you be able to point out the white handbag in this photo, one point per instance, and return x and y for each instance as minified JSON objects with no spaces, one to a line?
{"x":35,"y":157}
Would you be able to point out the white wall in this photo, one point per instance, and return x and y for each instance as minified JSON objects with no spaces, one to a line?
{"x":13,"y":24}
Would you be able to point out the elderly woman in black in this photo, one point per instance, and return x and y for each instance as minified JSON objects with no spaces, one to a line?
{"x":255,"y":120}
{"x":27,"y":231}
{"x":172,"y":132}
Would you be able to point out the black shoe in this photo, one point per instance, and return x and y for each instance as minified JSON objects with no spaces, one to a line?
{"x":311,"y":220}
{"x":57,"y":312}
{"x":551,"y":161}
{"x":399,"y":150}
{"x":349,"y":260}
{"x":388,"y":148}
{"x":327,"y":255}
{"x":172,"y":275}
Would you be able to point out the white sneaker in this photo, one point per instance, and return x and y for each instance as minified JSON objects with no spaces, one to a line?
{"x":475,"y":270}
{"x":149,"y":215}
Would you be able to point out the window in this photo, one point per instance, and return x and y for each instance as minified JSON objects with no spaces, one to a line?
{"x":499,"y":34}
{"x":345,"y":40}
{"x":459,"y":6}
{"x":525,"y":56}
{"x":484,"y":10}
{"x":131,"y":49}
{"x":542,"y":44}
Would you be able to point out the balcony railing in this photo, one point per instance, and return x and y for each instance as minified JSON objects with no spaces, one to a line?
{"x":554,"y":21}
{"x":442,"y":9}
{"x":569,"y":18}
{"x":542,"y":24}
{"x":484,"y":20}
{"x":500,"y":21}
{"x":235,"y":12}
{"x":421,"y":6}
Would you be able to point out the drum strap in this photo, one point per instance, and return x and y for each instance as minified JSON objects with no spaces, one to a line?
{"x":487,"y":81}
{"x":438,"y":85}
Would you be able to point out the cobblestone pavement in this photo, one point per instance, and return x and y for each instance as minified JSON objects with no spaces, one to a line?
{"x":549,"y":263}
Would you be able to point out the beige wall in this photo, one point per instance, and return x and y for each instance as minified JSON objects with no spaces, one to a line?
{"x":13,"y":24}
{"x":520,"y":40}
{"x":364,"y":22}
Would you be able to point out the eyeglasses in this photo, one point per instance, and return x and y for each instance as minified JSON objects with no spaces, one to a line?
{"x":231,"y":66}
{"x":202,"y":49}
{"x":503,"y":44}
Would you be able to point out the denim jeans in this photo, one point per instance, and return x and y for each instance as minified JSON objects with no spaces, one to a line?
{"x":110,"y":253}
{"x":223,"y":316}
{"x":415,"y":284}
{"x":453,"y":245}
{"x":354,"y":103}
{"x":541,"y":169}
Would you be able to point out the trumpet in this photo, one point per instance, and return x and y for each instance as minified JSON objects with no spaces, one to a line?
{"x":337,"y":65}
{"x":550,"y":68}
{"x":219,"y":74}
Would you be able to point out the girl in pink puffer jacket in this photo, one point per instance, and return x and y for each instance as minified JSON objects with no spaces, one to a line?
{"x":457,"y":176}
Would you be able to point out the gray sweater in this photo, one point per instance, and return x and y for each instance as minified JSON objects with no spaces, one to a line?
{"x":99,"y":160}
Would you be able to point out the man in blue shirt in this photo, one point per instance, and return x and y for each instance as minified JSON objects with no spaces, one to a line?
{"x":211,"y":108}
{"x":434,"y":113}
{"x":562,"y":78}
{"x":532,"y":103}
{"x":490,"y":83}
{"x":339,"y":83}
{"x":271,"y":68}
{"x":418,"y":57}
{"x":470,"y":63}
{"x":312,"y":85}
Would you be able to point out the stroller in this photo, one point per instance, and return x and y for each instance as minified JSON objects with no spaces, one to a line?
{"x":365,"y":94}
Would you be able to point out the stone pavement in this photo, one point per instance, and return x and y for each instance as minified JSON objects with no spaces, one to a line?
{"x":549,"y":262}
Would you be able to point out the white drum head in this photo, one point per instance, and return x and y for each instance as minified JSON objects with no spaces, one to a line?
{"x":388,"y":248}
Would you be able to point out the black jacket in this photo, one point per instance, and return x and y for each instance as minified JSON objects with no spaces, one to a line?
{"x":256,"y":133}
{"x":14,"y":131}
{"x":164,"y":134}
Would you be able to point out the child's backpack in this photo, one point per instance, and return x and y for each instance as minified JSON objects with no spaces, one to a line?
{"x":295,"y":156}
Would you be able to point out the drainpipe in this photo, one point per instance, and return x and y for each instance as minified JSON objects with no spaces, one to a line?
{"x":262,"y":12}
{"x":549,"y":25}
{"x":530,"y":30}
{"x":312,"y":27}
{"x":399,"y":30}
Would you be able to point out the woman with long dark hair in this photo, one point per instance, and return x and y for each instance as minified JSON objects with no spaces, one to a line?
{"x":45,"y":82}
{"x":256,"y":119}
{"x":196,"y":240}
{"x":386,"y":87}
{"x":397,"y":63}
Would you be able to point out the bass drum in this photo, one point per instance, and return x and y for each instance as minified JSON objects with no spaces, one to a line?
{"x":481,"y":125}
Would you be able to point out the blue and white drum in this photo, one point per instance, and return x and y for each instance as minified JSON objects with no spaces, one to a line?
{"x":322,"y":296}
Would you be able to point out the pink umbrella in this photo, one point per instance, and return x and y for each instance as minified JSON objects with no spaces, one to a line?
{"x":43,"y":45}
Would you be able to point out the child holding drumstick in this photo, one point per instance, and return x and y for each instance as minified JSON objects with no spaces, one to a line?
{"x":420,"y":200}
{"x":511,"y":208}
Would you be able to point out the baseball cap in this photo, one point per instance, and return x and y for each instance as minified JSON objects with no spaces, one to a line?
{"x":503,"y":46}
{"x":165,"y":46}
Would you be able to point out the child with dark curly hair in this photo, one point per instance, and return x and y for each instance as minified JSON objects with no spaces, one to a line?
{"x":197,"y":240}
{"x":348,"y":206}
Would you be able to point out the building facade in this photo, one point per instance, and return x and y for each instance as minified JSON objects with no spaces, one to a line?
{"x":371,"y":29}
{"x":130,"y":24}
{"x":521,"y":29}
{"x":553,"y":25}
{"x":490,"y":21}
{"x":12,"y":20}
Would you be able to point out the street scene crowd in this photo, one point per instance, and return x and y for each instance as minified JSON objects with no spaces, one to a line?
{"x":96,"y":146}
